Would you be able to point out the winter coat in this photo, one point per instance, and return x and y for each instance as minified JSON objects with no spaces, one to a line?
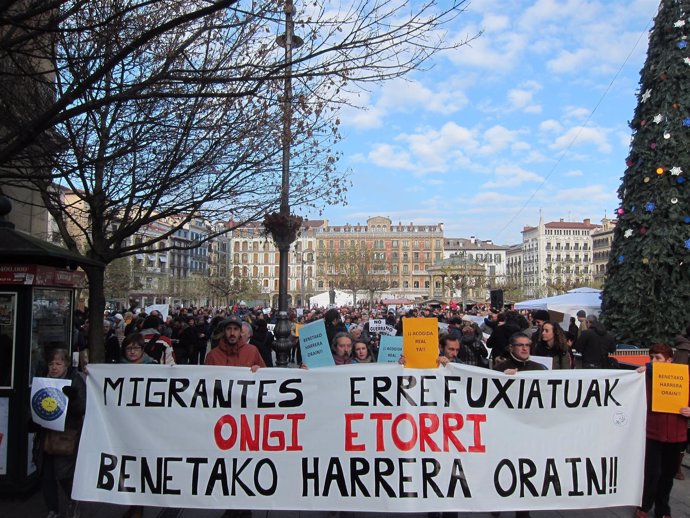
{"x":594,"y":345}
{"x":64,"y":464}
{"x":661,"y":426}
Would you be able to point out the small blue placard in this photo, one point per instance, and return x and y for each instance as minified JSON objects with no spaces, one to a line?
{"x":313,"y":343}
{"x":390,"y":349}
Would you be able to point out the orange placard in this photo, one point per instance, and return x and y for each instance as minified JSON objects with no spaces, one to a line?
{"x":420,"y":342}
{"x":670,"y":382}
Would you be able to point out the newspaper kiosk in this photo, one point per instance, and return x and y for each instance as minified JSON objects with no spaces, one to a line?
{"x":38,"y":286}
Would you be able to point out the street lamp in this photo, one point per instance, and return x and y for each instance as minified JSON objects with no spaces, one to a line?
{"x":283,"y":226}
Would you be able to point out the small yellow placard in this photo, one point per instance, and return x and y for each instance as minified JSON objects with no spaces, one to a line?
{"x":670,"y":382}
{"x":420,"y":342}
{"x":297,"y":326}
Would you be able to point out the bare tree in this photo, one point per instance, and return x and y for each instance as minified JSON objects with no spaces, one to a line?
{"x":167,"y":110}
{"x":358,"y":268}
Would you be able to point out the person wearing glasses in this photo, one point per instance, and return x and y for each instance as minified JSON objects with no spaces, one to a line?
{"x":518,"y":360}
{"x":132,"y":350}
{"x":518,"y":356}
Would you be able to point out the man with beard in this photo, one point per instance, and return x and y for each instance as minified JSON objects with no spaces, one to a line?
{"x":233,"y":350}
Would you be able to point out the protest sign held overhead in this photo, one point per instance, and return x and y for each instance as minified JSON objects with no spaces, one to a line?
{"x":313,"y":343}
{"x":420,"y":342}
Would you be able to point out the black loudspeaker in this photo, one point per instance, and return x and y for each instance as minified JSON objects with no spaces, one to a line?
{"x":497,"y":299}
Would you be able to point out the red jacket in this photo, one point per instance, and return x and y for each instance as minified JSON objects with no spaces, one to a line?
{"x":661,"y":426}
{"x":244,"y":355}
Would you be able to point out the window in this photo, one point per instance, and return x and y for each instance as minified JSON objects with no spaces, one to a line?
{"x":415,"y":284}
{"x":406,"y":284}
{"x":427,"y":284}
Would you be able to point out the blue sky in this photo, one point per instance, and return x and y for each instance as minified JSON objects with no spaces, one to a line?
{"x":532,"y":115}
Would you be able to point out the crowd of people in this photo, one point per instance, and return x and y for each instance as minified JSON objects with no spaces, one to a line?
{"x":508,"y":341}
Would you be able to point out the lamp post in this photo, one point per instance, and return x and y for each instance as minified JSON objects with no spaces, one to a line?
{"x":283,"y":227}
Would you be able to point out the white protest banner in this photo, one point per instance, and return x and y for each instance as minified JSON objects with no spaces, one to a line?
{"x":48,"y":402}
{"x":377,"y":325}
{"x":382,"y":438}
{"x":313,"y":343}
{"x":163,"y":309}
{"x":390,"y":349}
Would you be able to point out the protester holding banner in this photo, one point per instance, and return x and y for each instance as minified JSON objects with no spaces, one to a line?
{"x":341,"y":347}
{"x":666,"y":436}
{"x":132,"y":350}
{"x":233,"y":350}
{"x":449,"y":346}
{"x":362,"y":353}
{"x":518,"y":356}
{"x":55,"y":453}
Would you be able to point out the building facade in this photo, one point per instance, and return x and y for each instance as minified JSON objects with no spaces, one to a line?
{"x":556,"y":256}
{"x":601,"y":249}
{"x":379,"y":257}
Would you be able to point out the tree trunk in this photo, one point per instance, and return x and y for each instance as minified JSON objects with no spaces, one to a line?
{"x":96,"y":278}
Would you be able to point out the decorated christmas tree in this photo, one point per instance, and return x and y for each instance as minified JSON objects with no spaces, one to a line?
{"x":647,"y":292}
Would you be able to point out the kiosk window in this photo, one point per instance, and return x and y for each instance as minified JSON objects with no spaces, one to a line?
{"x":50,"y":325}
{"x":8,"y":321}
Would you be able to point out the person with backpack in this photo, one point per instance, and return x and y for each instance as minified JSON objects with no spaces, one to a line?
{"x":157,"y":346}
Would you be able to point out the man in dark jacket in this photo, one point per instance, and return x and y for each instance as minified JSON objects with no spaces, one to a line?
{"x":518,"y":357}
{"x":595,"y":344}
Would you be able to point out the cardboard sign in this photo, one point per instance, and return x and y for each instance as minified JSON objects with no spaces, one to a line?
{"x":420,"y":342}
{"x":390,"y":349}
{"x":669,"y":387}
{"x":313,"y":342}
{"x":377,"y":325}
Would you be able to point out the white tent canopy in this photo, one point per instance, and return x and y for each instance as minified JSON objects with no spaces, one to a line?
{"x":587,"y":299}
{"x":342,"y":298}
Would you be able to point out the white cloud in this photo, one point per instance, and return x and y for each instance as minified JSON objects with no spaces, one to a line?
{"x":511,"y":176}
{"x":390,"y":157}
{"x":580,"y":135}
{"x":550,"y":125}
{"x":497,"y":138}
{"x":573,"y":173}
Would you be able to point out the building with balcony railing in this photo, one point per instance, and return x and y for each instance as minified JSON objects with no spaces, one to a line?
{"x":556,"y":256}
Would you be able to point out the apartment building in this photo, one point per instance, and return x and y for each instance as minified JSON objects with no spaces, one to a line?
{"x":398,"y":255}
{"x":556,"y":256}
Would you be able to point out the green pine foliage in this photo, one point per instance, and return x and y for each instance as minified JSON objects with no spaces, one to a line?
{"x":647,"y":293}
